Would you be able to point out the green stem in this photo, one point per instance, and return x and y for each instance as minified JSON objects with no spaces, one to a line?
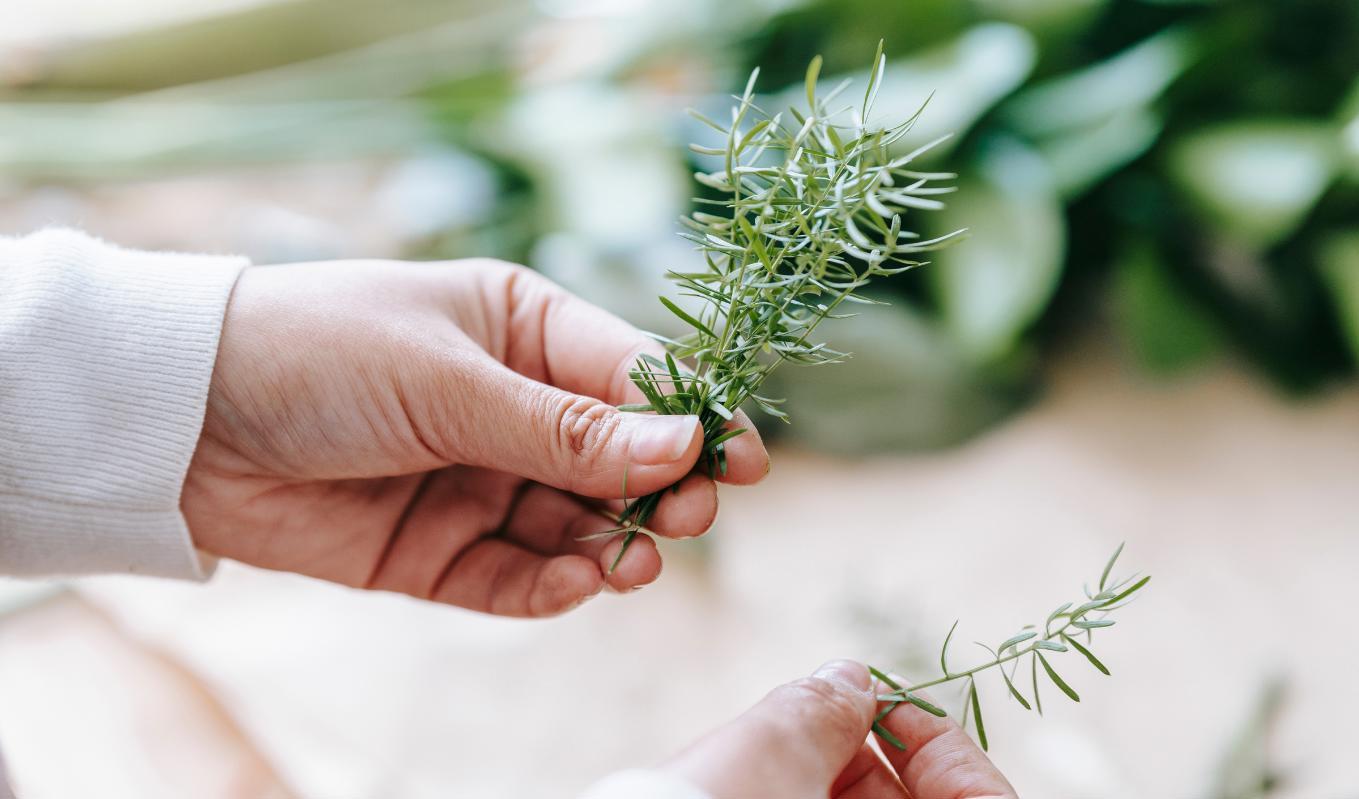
{"x":1017,"y":654}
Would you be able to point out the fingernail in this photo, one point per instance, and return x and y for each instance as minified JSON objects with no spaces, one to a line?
{"x":844,"y":672}
{"x":658,"y":440}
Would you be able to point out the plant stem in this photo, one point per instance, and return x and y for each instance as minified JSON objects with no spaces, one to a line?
{"x":1015,"y":655}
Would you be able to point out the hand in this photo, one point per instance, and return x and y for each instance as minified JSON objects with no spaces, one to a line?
{"x":808,"y":739}
{"x":444,"y":430}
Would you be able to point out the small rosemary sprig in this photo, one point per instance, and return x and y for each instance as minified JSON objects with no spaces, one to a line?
{"x":809,"y":211}
{"x":1059,"y":634}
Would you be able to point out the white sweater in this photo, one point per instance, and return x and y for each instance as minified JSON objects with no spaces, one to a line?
{"x":105,"y":359}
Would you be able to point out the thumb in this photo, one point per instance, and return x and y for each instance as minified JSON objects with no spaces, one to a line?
{"x":793,"y":744}
{"x":577,"y":443}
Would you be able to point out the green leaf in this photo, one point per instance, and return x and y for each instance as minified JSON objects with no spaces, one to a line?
{"x":705,"y":120}
{"x":1109,"y":567}
{"x":995,"y":283}
{"x":972,"y":71}
{"x":977,"y":714}
{"x":1130,"y":80}
{"x":925,"y":705}
{"x":724,"y":438}
{"x":720,"y":409}
{"x":813,"y":71}
{"x":887,"y":736}
{"x":1016,"y":639}
{"x":1137,"y":586}
{"x":884,"y":679}
{"x":1081,"y":159}
{"x":1090,"y":656}
{"x":1057,"y":680}
{"x":1338,"y":262}
{"x":1013,"y":690}
{"x":943,"y":652}
{"x":874,"y":80}
{"x":1092,"y":624}
{"x":1257,"y":179}
{"x":1051,"y":646}
{"x":1037,"y":699}
{"x":686,"y":317}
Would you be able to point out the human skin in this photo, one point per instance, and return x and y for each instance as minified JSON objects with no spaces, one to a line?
{"x":445,"y":430}
{"x":448,"y":431}
{"x":808,"y":739}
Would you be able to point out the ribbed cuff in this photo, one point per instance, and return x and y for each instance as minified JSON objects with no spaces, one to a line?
{"x":106,"y":356}
{"x":637,"y":783}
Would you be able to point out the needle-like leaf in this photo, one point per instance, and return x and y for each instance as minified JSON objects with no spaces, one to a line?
{"x":1058,"y":635}
{"x":809,"y":212}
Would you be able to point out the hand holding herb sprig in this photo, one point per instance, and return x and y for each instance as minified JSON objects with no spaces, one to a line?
{"x":1059,"y":633}
{"x":809,"y":212}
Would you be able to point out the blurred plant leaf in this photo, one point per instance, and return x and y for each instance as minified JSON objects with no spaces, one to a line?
{"x":962,"y":79}
{"x":1132,"y":79}
{"x":1256,"y":179}
{"x":1081,"y":158}
{"x":1338,"y":261}
{"x":1248,"y":769}
{"x":997,"y":281}
{"x":906,"y":386}
{"x":1349,"y":133}
{"x":258,"y":38}
{"x":1046,"y":18}
{"x":1167,"y":331}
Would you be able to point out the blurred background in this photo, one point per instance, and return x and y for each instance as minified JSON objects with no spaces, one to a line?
{"x":1150,"y":335}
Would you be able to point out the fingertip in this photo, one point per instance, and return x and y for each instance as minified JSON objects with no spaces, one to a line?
{"x":688,"y":510}
{"x":845,"y":672}
{"x":747,"y":459}
{"x":663,"y":440}
{"x":640,"y":566}
{"x":566,"y":582}
{"x":656,"y":452}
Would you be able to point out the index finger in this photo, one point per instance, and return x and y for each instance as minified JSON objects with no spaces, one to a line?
{"x":940,"y":760}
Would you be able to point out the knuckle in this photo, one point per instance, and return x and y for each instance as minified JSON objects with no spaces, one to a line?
{"x":496,"y":265}
{"x":585,"y":426}
{"x":517,"y":276}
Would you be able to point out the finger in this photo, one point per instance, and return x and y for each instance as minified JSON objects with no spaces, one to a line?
{"x":686,"y":509}
{"x":557,"y":338}
{"x":868,"y":777}
{"x":747,"y":460}
{"x":793,"y":743}
{"x":498,"y":419}
{"x":550,"y":523}
{"x":503,"y":578}
{"x":554,"y":337}
{"x":940,"y":760}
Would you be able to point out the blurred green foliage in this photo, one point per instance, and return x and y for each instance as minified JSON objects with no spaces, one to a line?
{"x":1182,"y":172}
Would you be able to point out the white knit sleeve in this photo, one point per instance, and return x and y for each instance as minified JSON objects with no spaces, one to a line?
{"x":105,"y":360}
{"x":639,"y":784}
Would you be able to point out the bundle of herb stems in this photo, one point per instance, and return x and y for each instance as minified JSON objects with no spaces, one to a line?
{"x":809,"y":212}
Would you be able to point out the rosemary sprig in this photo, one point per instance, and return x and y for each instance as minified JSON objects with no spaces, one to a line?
{"x":809,"y":211}
{"x":1060,"y":633}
